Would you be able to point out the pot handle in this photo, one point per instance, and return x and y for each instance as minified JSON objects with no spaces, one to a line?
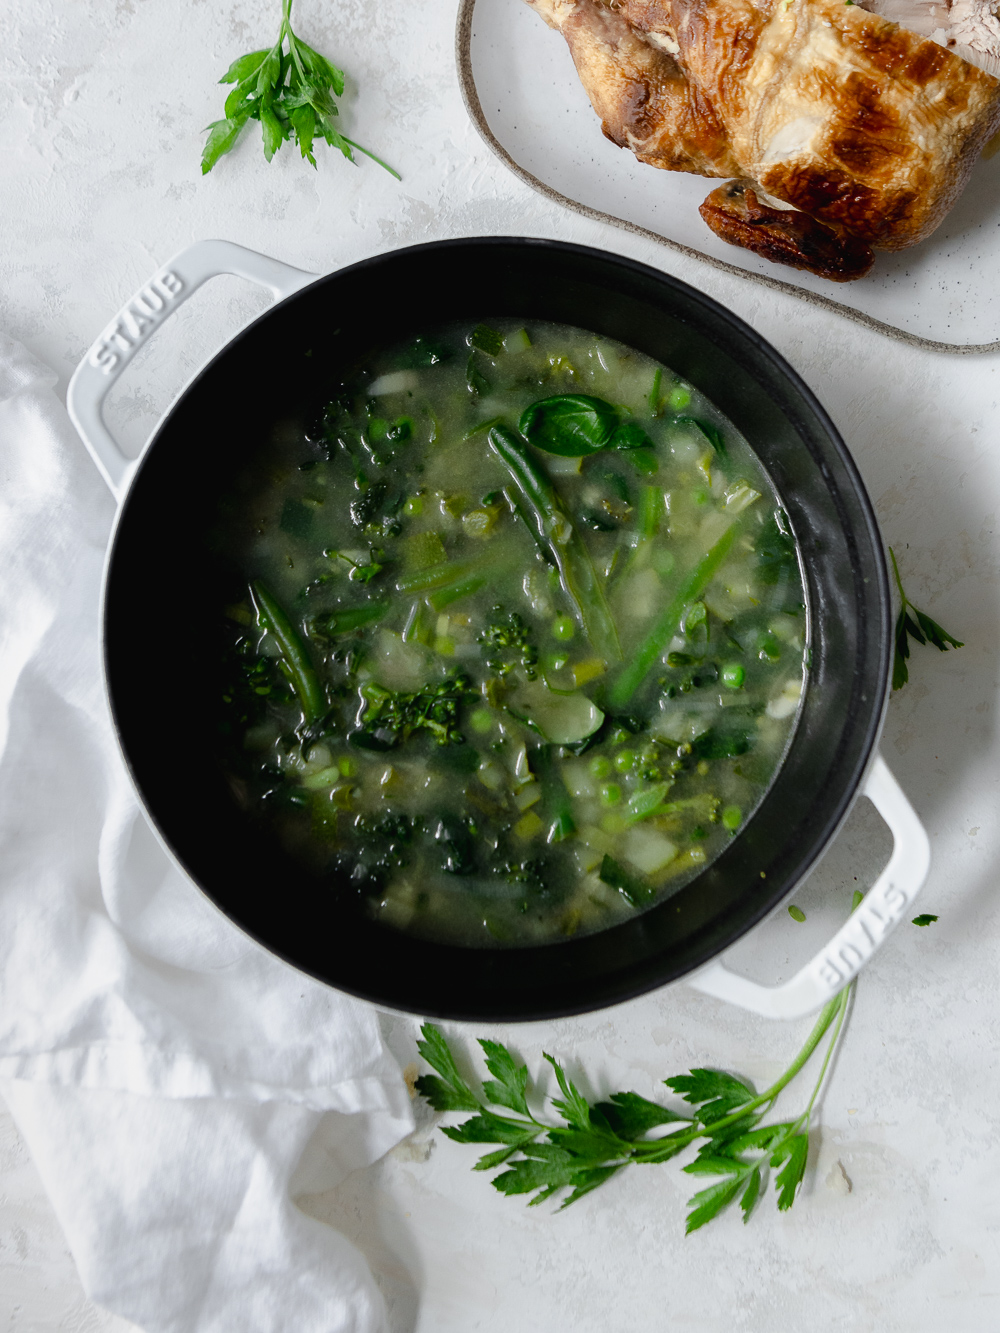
{"x":139,"y":318}
{"x":843,"y":957}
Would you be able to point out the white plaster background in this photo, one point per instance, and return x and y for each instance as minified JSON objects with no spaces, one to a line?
{"x":101,"y":108}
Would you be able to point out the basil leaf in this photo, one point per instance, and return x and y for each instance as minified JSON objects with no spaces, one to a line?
{"x":571,"y":425}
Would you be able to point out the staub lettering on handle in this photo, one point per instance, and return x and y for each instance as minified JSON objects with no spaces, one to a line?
{"x":136,"y":322}
{"x":860,"y":937}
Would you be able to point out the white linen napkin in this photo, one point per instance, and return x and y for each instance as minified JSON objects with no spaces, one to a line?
{"x":166,"y":1072}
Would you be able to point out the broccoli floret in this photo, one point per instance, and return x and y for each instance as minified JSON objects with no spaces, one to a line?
{"x":391,"y":717}
{"x":506,"y":644}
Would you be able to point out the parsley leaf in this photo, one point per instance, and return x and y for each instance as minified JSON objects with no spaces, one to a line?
{"x":489,"y":1128}
{"x":596,"y":1141}
{"x":708,"y":1203}
{"x":791,"y":1151}
{"x":924,"y":919}
{"x":714,"y":1092}
{"x":922,"y":629}
{"x":630,"y":1116}
{"x":511,"y":1078}
{"x":573,"y":1107}
{"x":289,"y":89}
{"x":450,"y":1092}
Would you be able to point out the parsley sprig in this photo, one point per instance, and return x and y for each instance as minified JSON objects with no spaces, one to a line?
{"x":923,"y":629}
{"x":596,"y":1140}
{"x":290,"y":89}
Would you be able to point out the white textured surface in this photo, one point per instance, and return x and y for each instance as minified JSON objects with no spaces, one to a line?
{"x":100,"y":125}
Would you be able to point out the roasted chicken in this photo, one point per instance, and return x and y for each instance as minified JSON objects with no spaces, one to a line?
{"x":845,"y":132}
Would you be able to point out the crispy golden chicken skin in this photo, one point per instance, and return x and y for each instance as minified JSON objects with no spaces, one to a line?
{"x":841,"y":113}
{"x":784,"y":235}
{"x":865,"y":127}
{"x":641,"y":94}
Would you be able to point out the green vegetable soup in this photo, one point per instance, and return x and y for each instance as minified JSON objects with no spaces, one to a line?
{"x":517,"y":635}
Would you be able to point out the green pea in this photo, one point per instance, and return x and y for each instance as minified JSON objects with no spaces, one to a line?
{"x":770,"y":648}
{"x":732,"y":818}
{"x":624,"y":760}
{"x":678,"y":398}
{"x":611,"y":793}
{"x":700,"y":495}
{"x":555,"y":661}
{"x":796,"y":913}
{"x":563,"y":628}
{"x":481,"y":721}
{"x":600,"y":767}
{"x":733,"y":676}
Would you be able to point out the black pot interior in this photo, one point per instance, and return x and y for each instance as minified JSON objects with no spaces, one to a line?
{"x":162,"y":603}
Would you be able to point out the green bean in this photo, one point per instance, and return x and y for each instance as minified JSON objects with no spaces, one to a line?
{"x":669,"y":622}
{"x":354,"y":617}
{"x":462,"y":588}
{"x":654,"y":393}
{"x":650,"y":511}
{"x":557,"y":798}
{"x":557,"y":534}
{"x":438,"y":576}
{"x":294,"y":653}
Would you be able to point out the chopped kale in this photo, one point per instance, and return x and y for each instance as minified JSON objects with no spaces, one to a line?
{"x":456,"y":841}
{"x":250,"y":682}
{"x":368,"y":504}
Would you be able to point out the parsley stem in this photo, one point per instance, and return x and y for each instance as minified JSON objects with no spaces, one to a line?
{"x":826,"y":1017}
{"x":374,"y":157}
{"x":835,"y":1008}
{"x":899,"y":582}
{"x":842,"y":1001}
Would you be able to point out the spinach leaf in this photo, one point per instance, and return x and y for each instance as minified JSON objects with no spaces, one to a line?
{"x":714,"y":744}
{"x":630,"y":436}
{"x":475,"y":379}
{"x":711,"y":433}
{"x":424,"y":352}
{"x":571,"y":425}
{"x":775,"y":553}
{"x":296,"y":519}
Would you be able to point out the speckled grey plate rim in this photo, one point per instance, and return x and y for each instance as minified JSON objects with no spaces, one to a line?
{"x":470,"y":95}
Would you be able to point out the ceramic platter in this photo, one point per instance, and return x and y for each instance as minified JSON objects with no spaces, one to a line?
{"x":524,"y":97}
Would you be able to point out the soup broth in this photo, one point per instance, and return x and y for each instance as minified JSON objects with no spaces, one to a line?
{"x":517,"y":634}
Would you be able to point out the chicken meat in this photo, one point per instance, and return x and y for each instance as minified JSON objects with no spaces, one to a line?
{"x":845,"y":132}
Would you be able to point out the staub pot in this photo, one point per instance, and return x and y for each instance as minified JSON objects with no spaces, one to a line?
{"x":160,"y":604}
